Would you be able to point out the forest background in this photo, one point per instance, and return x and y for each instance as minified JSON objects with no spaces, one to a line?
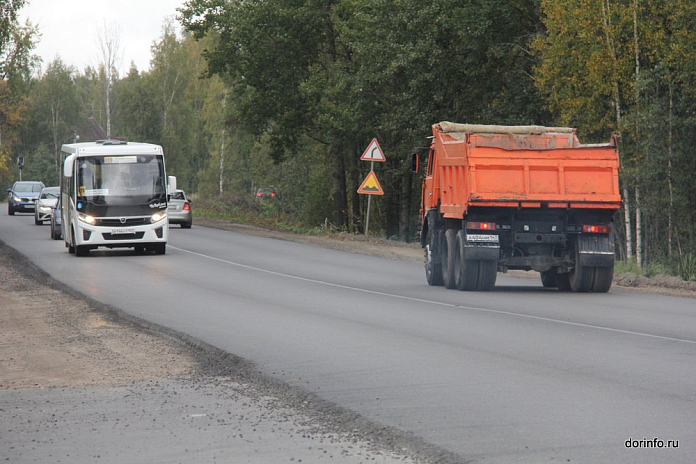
{"x":288,"y":93}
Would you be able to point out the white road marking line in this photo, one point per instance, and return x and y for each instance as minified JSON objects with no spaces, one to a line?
{"x":438,"y":303}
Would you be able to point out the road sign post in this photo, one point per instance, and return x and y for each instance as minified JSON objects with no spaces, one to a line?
{"x":370,"y":185}
{"x":20,"y":163}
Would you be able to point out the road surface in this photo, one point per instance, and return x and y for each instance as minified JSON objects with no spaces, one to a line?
{"x":520,"y":374}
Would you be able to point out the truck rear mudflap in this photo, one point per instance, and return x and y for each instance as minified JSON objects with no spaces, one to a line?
{"x":595,"y":250}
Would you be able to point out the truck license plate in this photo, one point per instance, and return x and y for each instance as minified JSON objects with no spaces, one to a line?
{"x":124,"y":230}
{"x":481,"y":238}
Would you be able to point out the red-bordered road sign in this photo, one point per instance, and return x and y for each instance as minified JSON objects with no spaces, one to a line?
{"x":373,"y":152}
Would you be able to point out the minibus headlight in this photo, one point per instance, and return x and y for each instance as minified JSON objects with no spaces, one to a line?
{"x":158,"y":216}
{"x":86,"y":218}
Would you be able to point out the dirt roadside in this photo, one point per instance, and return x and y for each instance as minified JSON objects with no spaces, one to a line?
{"x":63,"y":356}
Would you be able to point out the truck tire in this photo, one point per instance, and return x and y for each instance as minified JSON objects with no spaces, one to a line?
{"x":488,"y":273}
{"x":563,"y":282}
{"x":581,"y":278}
{"x":548,"y":278}
{"x":450,"y":258}
{"x":468,"y":269}
{"x":433,"y":271}
{"x":459,"y":277}
{"x":603,"y":277}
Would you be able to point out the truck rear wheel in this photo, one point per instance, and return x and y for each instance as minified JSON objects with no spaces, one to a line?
{"x":563,"y":282}
{"x":459,"y":273}
{"x":488,"y":273}
{"x":603,"y":277}
{"x":581,"y":278}
{"x":433,"y":271}
{"x":450,"y":258}
{"x":474,"y":274}
{"x":469,"y":275}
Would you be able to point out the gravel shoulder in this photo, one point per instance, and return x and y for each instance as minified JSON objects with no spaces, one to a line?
{"x":81,"y":382}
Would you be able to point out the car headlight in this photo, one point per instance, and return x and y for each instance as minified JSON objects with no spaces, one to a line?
{"x":85,"y":218}
{"x":16,"y":198}
{"x":45,"y":209}
{"x":158,"y":216}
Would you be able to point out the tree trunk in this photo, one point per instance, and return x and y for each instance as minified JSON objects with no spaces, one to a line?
{"x":340,"y":200}
{"x":636,"y":49}
{"x":356,"y":223}
{"x":639,"y":231}
{"x":627,"y":225}
{"x":406,"y":193}
{"x":108,"y":105}
{"x":606,"y":22}
{"x":669,"y":173}
{"x":392,"y":187}
{"x":222,"y":159}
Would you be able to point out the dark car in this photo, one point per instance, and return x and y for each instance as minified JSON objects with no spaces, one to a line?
{"x":23,"y":196}
{"x":56,"y":218}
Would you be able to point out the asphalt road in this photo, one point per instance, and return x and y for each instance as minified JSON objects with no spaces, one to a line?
{"x":520,"y":374}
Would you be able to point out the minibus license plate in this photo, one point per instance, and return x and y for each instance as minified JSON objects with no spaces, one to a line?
{"x":123,"y":230}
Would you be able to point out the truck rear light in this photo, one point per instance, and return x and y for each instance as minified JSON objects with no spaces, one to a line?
{"x":480,"y":225}
{"x":593,"y":229}
{"x":187,"y":206}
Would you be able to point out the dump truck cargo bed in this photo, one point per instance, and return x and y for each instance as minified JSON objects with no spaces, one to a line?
{"x":522,"y":166}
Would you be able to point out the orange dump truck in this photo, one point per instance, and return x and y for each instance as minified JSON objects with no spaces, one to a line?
{"x":519,"y":197}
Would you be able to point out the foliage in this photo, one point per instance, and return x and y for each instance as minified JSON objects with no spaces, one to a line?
{"x":16,"y":65}
{"x":288,"y":93}
{"x":687,"y":266}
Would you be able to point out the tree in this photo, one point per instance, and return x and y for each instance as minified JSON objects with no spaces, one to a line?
{"x":55,"y":108}
{"x":16,"y":65}
{"x":110,"y":48}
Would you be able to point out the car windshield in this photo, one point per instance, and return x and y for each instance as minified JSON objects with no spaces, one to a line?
{"x":27,"y":187}
{"x":49,"y":193}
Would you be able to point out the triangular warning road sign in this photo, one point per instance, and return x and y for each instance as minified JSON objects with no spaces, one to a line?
{"x":370,"y":185}
{"x":373,"y":152}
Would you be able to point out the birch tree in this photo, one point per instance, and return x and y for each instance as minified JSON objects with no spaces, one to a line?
{"x":109,"y":39}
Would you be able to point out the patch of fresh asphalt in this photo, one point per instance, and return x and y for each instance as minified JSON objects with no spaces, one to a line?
{"x":222,"y":410}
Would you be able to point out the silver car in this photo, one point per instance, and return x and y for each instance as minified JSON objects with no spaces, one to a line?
{"x":45,"y":204}
{"x":179,"y":209}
